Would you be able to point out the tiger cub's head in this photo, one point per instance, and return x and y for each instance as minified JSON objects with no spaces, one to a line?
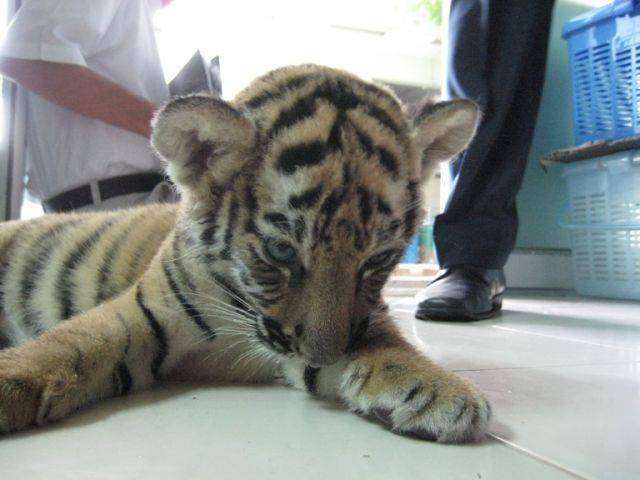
{"x":301,"y":195}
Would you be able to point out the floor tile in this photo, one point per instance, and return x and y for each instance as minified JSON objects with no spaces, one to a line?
{"x":562,"y":372}
{"x":564,"y":315}
{"x":245,"y":433}
{"x":513,"y":340}
{"x":585,"y":419}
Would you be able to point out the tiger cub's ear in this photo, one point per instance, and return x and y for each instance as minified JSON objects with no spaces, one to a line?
{"x":444,"y":129}
{"x":202,"y":138}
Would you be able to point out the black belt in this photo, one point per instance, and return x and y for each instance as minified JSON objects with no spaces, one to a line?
{"x":109,"y":188}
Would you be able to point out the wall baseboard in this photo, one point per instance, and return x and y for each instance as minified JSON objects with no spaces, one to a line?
{"x":539,"y":268}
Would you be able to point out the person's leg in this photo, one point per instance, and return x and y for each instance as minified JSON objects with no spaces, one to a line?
{"x":497,"y":57}
{"x":502,"y":69}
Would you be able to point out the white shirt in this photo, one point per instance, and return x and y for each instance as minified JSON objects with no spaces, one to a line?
{"x":115,"y":39}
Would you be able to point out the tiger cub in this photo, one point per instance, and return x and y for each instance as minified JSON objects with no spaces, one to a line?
{"x":298,"y":199}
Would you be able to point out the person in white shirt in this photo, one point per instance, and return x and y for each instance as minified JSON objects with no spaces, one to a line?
{"x":94,"y":78}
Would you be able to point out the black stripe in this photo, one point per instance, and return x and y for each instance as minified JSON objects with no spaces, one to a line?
{"x":306,"y":199}
{"x":250,"y":201}
{"x":177,"y":261}
{"x":331,"y":204}
{"x":376,"y":282}
{"x":364,"y":202}
{"x":65,"y":281}
{"x":347,"y":175}
{"x":381,"y":116}
{"x":6,"y":256}
{"x":246,"y":278}
{"x":268,"y":282}
{"x":378,"y":113}
{"x":139,"y":251}
{"x":311,"y":379}
{"x":301,"y":156}
{"x":122,"y":379}
{"x":357,"y":333}
{"x":358,"y":238}
{"x":431,"y":400}
{"x":211,"y":222}
{"x":394,"y":225}
{"x":338,"y":94}
{"x":276,"y":335}
{"x":232,"y":220}
{"x":5,"y":340}
{"x":278,"y":220}
{"x":345,"y":225}
{"x":388,"y":161}
{"x":412,"y":393}
{"x":251,"y":205}
{"x":411,"y":215}
{"x":38,"y":253}
{"x":300,"y":229}
{"x":261,"y":336}
{"x":231,"y":292}
{"x":343,"y":98}
{"x":104,"y":271}
{"x":302,"y":109}
{"x":281,"y":89}
{"x":158,"y":333}
{"x":365,"y":142}
{"x":189,"y":309}
{"x":353,"y":231}
{"x":329,"y":208}
{"x":383,"y":206}
{"x":208,"y":234}
{"x":267,"y":302}
{"x":334,"y":140}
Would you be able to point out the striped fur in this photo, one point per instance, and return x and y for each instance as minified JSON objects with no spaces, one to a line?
{"x":298,"y":200}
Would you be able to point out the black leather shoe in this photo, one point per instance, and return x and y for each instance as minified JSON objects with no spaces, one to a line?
{"x":462,"y":293}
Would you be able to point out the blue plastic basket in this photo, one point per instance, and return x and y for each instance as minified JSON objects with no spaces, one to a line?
{"x":604,"y":53}
{"x":411,"y":253}
{"x":604,"y":208}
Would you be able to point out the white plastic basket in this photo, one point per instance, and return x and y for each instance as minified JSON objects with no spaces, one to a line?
{"x":604,"y":207}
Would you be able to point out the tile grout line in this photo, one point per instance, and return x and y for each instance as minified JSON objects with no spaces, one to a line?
{"x":631,"y":362}
{"x":616,"y":347}
{"x":555,"y":337}
{"x":535,"y":456}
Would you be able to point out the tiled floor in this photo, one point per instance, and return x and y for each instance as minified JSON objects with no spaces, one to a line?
{"x":562,"y":372}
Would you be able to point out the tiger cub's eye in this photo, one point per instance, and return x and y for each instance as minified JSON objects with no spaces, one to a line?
{"x":279,"y":251}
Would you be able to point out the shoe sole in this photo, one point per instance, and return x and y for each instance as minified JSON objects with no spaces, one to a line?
{"x":445,"y":314}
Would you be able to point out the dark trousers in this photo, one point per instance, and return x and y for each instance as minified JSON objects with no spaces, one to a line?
{"x":497,"y":57}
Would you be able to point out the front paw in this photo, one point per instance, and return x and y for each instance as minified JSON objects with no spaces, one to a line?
{"x":29,"y":390}
{"x":414,"y":397}
{"x":19,"y":394}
